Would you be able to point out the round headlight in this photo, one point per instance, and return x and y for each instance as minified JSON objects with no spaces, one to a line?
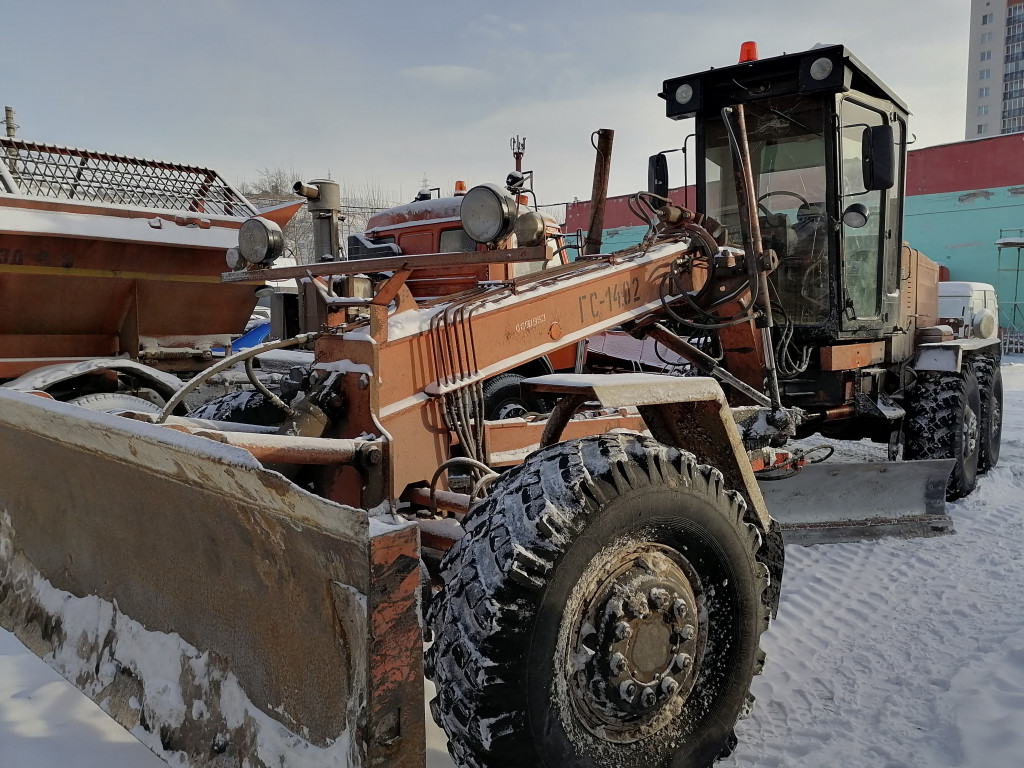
{"x":684,"y":93}
{"x":530,"y":229}
{"x":234,"y":260}
{"x":260,"y":241}
{"x":488,"y":213}
{"x":821,"y":68}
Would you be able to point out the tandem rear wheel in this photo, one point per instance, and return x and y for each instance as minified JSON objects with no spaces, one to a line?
{"x":944,"y":421}
{"x":603,"y":609}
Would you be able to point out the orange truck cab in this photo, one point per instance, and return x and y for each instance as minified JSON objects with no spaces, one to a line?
{"x":433,"y":225}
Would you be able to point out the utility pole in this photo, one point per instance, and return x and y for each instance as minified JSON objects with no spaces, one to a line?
{"x":518,"y":147}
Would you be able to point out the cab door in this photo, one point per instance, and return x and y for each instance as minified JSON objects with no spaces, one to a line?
{"x":869,"y":246}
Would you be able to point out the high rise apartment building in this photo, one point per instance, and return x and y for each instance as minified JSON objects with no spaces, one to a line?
{"x":995,"y":73}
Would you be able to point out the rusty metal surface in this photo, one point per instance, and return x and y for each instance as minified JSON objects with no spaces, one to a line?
{"x":190,"y":537}
{"x":395,"y":725}
{"x":688,"y":412}
{"x":849,"y":356}
{"x":393,"y":263}
{"x":446,"y":500}
{"x":599,"y":193}
{"x":64,"y":297}
{"x":706,"y":429}
{"x":287,"y":449}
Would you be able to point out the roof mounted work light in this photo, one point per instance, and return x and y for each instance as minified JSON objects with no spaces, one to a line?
{"x":488,"y":213}
{"x":260,"y":241}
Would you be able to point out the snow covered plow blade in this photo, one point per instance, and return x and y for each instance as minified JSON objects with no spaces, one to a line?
{"x":210,"y":606}
{"x":830,"y":503}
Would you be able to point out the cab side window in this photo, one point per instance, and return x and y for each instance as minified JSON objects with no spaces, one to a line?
{"x":863,"y":245}
{"x":455,"y":241}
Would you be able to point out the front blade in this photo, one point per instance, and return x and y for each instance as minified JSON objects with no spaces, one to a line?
{"x":828,"y":503}
{"x":210,"y":606}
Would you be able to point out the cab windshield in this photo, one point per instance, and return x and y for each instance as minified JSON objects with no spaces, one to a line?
{"x":787,"y":151}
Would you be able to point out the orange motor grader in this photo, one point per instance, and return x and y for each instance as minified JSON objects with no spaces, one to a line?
{"x":260,"y":592}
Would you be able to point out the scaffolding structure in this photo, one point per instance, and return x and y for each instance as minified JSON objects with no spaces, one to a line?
{"x":1011,"y":308}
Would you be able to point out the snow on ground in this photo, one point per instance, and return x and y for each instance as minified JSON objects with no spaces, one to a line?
{"x":895,"y":654}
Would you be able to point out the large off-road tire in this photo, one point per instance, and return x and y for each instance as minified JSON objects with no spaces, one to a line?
{"x":944,"y":422}
{"x":247,"y":406}
{"x":113,"y":402}
{"x":604,"y":609}
{"x":990,"y":387}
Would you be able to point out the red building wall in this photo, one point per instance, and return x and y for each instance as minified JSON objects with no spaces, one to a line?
{"x":965,"y":165}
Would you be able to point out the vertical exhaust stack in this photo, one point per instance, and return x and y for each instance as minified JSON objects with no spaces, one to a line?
{"x":9,"y":121}
{"x":324,"y":198}
{"x":599,"y":194}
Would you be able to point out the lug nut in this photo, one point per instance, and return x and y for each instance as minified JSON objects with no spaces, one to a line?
{"x":647,"y":698}
{"x":614,"y":609}
{"x":617,"y":664}
{"x":686,"y":633}
{"x":623,"y":630}
{"x":669,"y":686}
{"x":628,"y":690}
{"x":681,"y":662}
{"x":637,"y":606}
{"x":659,"y":598}
{"x":679,"y":609}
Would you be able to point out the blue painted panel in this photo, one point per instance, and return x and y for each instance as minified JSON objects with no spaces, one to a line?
{"x":959,"y":229}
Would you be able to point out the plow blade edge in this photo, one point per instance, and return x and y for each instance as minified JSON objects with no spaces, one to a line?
{"x":828,"y":503}
{"x":213,"y":608}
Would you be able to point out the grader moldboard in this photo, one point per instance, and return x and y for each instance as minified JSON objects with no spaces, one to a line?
{"x":252,"y":593}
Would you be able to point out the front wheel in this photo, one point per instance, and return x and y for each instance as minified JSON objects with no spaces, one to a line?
{"x":604,"y":608}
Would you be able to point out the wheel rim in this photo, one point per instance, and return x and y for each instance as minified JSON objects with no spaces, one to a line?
{"x":510,"y":409}
{"x":970,"y":434}
{"x":635,"y":641}
{"x":997,"y":420}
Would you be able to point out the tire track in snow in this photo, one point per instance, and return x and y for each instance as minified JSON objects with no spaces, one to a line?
{"x":903,"y":654}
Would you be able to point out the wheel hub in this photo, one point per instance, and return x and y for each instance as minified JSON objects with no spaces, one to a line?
{"x":510,"y":410}
{"x":640,"y":641}
{"x":970,"y":433}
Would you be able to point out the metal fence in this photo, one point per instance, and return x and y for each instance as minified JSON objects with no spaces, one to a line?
{"x":45,"y":170}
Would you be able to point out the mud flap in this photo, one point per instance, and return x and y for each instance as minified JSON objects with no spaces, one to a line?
{"x":210,"y":606}
{"x":828,"y":503}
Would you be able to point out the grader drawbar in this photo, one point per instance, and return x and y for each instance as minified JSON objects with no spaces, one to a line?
{"x":253,"y":583}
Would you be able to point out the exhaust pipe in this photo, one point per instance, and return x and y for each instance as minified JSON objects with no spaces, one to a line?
{"x":324,"y":203}
{"x":599,"y":194}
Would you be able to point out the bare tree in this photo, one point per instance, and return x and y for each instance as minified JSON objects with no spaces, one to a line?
{"x":359,"y":203}
{"x":273,"y":186}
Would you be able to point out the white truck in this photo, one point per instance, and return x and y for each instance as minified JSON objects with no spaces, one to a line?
{"x":971,"y":309}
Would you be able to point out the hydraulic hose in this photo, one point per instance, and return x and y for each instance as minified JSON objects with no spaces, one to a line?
{"x":226,"y":363}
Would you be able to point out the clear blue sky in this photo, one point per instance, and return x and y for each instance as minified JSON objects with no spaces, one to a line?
{"x":385,"y":93}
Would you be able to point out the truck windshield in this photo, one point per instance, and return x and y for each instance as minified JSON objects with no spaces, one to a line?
{"x":787,"y":150}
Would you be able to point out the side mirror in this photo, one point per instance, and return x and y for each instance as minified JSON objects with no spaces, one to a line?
{"x":879,"y":157}
{"x":657,"y":174}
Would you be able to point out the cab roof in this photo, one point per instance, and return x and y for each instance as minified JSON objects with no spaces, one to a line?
{"x":782,"y":75}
